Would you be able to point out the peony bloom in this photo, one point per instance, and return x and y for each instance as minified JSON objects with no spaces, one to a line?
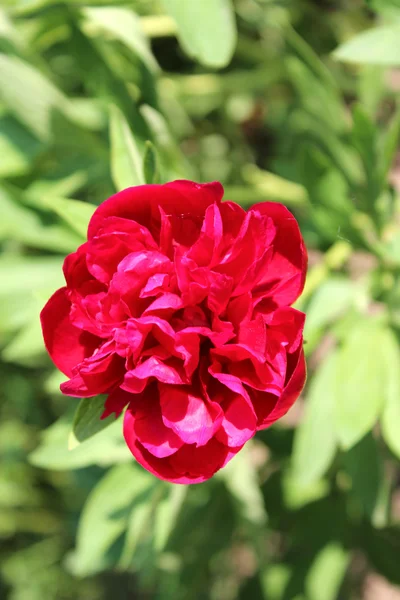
{"x":178,"y":308}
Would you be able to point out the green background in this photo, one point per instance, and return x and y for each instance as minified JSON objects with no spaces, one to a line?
{"x":292,"y":101}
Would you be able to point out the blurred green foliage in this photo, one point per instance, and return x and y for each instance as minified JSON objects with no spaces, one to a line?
{"x":294,"y":101}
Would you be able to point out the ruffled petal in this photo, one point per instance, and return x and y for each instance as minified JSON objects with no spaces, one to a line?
{"x":286,"y":325}
{"x":98,"y":374}
{"x":189,"y":415}
{"x":116,"y":238}
{"x":169,"y":371}
{"x":66,"y":344}
{"x":143,"y":422}
{"x":116,"y":402}
{"x":199,"y":463}
{"x":142,"y":204}
{"x":292,"y":390}
{"x":199,"y":195}
{"x":239,"y":423}
{"x":283,"y":281}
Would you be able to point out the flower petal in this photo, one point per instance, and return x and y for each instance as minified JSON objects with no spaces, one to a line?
{"x":143,"y":422}
{"x":141,"y":203}
{"x":199,"y":463}
{"x":116,"y":402}
{"x":116,"y":238}
{"x":66,"y":344}
{"x":291,"y":391}
{"x":95,"y":375}
{"x":189,"y":415}
{"x":239,"y":423}
{"x":170,"y":371}
{"x":284,"y":279}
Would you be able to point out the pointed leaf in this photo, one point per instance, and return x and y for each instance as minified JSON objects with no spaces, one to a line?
{"x":206,"y":29}
{"x":126,"y":161}
{"x":29,"y":95}
{"x":77,"y":214}
{"x":150,"y":163}
{"x":106,"y":513}
{"x":87,"y":420}
{"x":241,"y":479}
{"x":390,"y":421}
{"x":326,"y":574}
{"x":377,"y":46}
{"x":124,"y":25}
{"x":360,"y":382}
{"x":106,"y":448}
{"x":362,"y":463}
{"x":315,"y":439}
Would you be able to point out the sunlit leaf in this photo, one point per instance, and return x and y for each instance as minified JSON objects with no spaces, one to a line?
{"x":360,"y":382}
{"x":241,"y":479}
{"x":331,"y":300}
{"x":106,"y":515}
{"x":390,"y":421}
{"x":150,"y":163}
{"x":123,"y":25}
{"x":167,"y":513}
{"x":126,"y":161}
{"x":29,"y":95}
{"x":206,"y":29}
{"x":18,"y":148}
{"x":377,"y":46}
{"x":325,"y":577}
{"x":315,"y":439}
{"x":106,"y":448}
{"x":77,"y":214}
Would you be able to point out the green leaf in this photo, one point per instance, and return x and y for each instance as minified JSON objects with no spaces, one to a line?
{"x":150,"y":163}
{"x":20,"y":223}
{"x":106,"y":448}
{"x":377,"y":46}
{"x":360,"y":382}
{"x":27,"y":274}
{"x":241,"y":479}
{"x":364,"y":136}
{"x":18,"y":148}
{"x":167,"y":513}
{"x":106,"y":514}
{"x":390,"y":145}
{"x":77,"y":214}
{"x":123,"y":25}
{"x":390,"y":421}
{"x":87,"y":420}
{"x":29,"y":95}
{"x":324,"y":103}
{"x":26,"y":347}
{"x":126,"y":162}
{"x":297,"y":494}
{"x":315,"y":439}
{"x":178,"y":166}
{"x":274,"y":584}
{"x":331,"y":299}
{"x":371,"y":88}
{"x":382,"y":547}
{"x":274,"y":187}
{"x":362,"y":463}
{"x":389,"y":8}
{"x":17,"y":310}
{"x":206,"y":29}
{"x":326,"y":574}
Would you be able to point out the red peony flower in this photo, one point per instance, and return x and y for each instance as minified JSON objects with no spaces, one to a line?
{"x":178,"y":307}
